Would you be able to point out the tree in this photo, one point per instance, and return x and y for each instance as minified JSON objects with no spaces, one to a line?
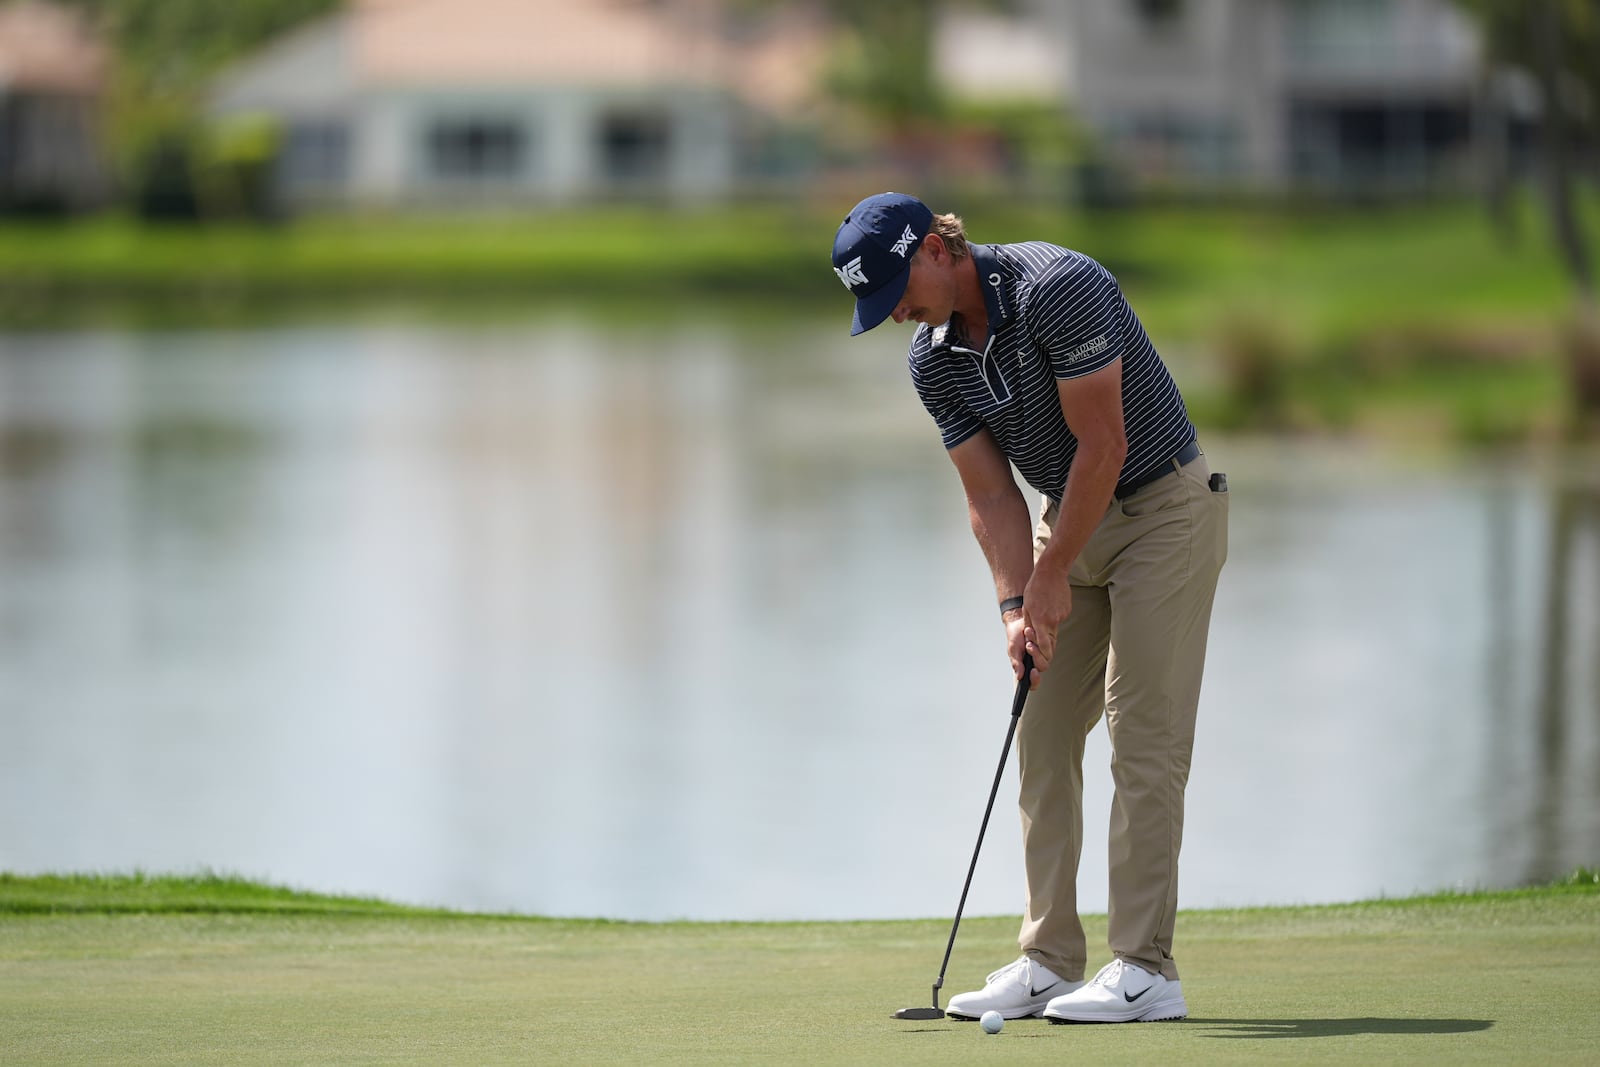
{"x":883,"y":76}
{"x":1558,"y":42}
{"x":165,"y":55}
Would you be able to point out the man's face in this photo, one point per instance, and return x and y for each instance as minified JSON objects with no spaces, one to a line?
{"x":930,"y":294}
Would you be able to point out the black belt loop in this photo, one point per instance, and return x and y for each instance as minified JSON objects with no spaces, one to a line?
{"x":1186,"y":455}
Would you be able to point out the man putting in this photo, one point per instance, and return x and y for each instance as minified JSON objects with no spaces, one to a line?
{"x":1028,"y":354}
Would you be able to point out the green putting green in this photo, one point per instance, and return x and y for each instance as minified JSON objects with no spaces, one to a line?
{"x":138,"y":970}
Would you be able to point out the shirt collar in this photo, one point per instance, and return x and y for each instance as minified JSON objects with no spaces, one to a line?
{"x":994,"y":278}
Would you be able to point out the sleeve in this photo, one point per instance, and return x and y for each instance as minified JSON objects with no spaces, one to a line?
{"x":1076,"y":311}
{"x":939,"y":395}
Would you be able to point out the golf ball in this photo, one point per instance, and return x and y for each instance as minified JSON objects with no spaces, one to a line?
{"x":991,"y":1022}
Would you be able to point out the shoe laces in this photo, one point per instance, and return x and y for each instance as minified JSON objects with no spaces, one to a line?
{"x":1009,"y":969}
{"x":1109,"y":974}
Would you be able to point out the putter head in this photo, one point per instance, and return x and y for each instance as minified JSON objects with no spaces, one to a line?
{"x":919,"y":1013}
{"x":927,"y":1013}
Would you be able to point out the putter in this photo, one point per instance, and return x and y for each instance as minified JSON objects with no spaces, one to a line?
{"x":1016,"y":713}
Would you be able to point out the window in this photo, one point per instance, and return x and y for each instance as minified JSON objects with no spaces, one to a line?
{"x":475,"y":149}
{"x":316,"y":154}
{"x":635,"y":146}
{"x":1376,"y":141}
{"x":1175,"y":143}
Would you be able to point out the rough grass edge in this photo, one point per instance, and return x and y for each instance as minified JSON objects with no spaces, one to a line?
{"x":209,"y":892}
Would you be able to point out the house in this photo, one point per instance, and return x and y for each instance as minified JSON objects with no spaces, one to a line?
{"x":1270,"y":94}
{"x":443,"y":102}
{"x":52,"y":83}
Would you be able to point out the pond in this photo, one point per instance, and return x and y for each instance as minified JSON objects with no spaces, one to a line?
{"x":573,"y":615}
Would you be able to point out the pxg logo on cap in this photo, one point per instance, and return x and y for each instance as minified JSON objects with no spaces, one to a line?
{"x":872,"y":253}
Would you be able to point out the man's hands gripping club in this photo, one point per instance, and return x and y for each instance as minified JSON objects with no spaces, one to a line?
{"x":1047,"y":601}
{"x":1031,"y":627}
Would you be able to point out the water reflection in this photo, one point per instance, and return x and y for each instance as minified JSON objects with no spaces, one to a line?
{"x":1551,"y":745}
{"x":585,"y":618}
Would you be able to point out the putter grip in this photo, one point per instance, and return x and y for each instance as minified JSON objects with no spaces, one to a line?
{"x":1022,"y":686}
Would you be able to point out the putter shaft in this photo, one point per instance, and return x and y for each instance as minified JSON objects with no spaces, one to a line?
{"x":999,"y":772}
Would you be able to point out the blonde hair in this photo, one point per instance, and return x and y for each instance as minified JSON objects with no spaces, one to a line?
{"x":954,"y":233}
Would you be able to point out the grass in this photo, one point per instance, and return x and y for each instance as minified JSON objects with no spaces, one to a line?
{"x":1321,"y":269}
{"x":622,"y":250}
{"x":1410,"y":317}
{"x":133,"y":969}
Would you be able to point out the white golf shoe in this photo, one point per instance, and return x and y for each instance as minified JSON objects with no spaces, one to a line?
{"x":1121,"y":993}
{"x":1016,"y":991}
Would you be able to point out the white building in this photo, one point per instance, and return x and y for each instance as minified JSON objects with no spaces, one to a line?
{"x":53,"y":75}
{"x":1263,"y":93}
{"x":447,"y":101}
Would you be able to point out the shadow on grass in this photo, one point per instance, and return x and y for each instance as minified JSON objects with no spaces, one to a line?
{"x":1257,"y":1029}
{"x":1240,"y":1029}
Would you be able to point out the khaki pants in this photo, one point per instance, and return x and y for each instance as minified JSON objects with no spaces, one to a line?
{"x":1134,"y":647}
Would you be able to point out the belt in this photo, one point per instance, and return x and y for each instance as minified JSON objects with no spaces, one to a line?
{"x":1186,"y":455}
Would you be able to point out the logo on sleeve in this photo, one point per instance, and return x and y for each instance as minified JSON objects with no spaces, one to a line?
{"x":851,"y":273}
{"x":907,"y":239}
{"x":1089,"y":348}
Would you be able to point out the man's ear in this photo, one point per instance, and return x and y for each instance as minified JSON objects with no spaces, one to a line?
{"x":933,"y":244}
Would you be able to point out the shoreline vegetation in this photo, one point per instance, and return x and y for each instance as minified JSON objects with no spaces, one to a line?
{"x":224,"y":894}
{"x":1420,"y":320}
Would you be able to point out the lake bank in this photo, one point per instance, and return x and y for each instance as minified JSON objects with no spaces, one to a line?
{"x":1418,"y":321}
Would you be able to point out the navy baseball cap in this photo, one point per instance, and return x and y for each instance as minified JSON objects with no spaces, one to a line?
{"x":872,"y":253}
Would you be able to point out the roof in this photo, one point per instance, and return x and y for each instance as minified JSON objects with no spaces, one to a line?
{"x":647,"y":44}
{"x":49,"y":48}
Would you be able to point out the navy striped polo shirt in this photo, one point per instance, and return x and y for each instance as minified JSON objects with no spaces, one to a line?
{"x":1053,"y":313}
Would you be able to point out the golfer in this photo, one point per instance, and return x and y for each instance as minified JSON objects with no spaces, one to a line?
{"x":1028,"y":355}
